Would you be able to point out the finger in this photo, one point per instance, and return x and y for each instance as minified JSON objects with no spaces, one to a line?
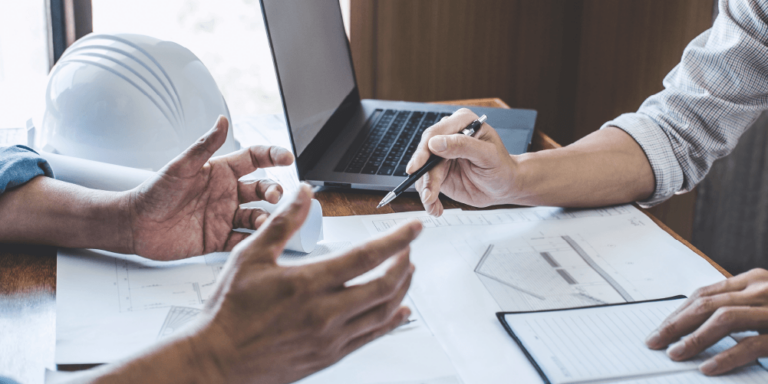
{"x":249,"y":218}
{"x":481,"y":153}
{"x":449,"y":126}
{"x":722,"y":323}
{"x":355,"y":300}
{"x":250,"y":159}
{"x":189,"y":162}
{"x":380,"y":314}
{"x":335,"y":272}
{"x":684,"y":322}
{"x":257,"y":190}
{"x":398,"y":319}
{"x":430,"y":193}
{"x":233,"y":240}
{"x":747,"y":351}
{"x":434,"y":208}
{"x":267,"y":243}
{"x":733,"y":284}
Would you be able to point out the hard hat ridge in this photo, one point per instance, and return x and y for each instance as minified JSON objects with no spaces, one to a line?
{"x":131,"y":100}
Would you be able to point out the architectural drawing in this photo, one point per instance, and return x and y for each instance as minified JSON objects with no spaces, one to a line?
{"x":150,"y":285}
{"x":545,"y":273}
{"x":177,"y":318}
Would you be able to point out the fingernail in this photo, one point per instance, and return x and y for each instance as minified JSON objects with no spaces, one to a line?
{"x":708,"y":367}
{"x":676,"y":350}
{"x":653,"y":339}
{"x":440,"y":144}
{"x":425,"y":195}
{"x":418,"y":227}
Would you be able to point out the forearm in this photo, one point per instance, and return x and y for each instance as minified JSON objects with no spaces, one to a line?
{"x":604,"y":168}
{"x":174,"y":361}
{"x":52,"y":212}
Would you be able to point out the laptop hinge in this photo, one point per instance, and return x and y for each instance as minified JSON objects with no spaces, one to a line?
{"x":337,"y":185}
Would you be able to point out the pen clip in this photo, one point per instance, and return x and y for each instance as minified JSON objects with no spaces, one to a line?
{"x":468,"y":131}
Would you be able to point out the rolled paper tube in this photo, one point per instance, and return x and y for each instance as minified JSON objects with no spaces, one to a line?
{"x":95,"y":174}
{"x":310,"y":233}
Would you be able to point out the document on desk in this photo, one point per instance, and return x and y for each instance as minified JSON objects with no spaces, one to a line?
{"x":472,"y":264}
{"x":605,"y":344}
{"x":469,"y":265}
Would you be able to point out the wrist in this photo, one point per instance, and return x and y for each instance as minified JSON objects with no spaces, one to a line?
{"x":519,"y":179}
{"x":116,"y":214}
{"x":210,"y":352}
{"x":184,"y":358}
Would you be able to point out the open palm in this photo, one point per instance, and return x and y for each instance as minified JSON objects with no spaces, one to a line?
{"x":193,"y":204}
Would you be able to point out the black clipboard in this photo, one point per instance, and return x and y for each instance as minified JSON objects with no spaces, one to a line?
{"x":500,"y":316}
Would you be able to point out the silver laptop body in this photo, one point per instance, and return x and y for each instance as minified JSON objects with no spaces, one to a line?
{"x":340,"y":140}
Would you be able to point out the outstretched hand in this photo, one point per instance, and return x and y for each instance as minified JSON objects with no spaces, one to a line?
{"x":193,"y":204}
{"x":267,"y":323}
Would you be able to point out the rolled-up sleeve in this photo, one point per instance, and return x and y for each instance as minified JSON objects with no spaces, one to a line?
{"x":711,"y":97}
{"x":20,"y":164}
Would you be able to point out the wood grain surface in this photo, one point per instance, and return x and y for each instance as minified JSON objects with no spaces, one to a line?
{"x":28,"y":274}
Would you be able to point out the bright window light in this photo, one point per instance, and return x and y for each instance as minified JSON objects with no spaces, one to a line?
{"x":23,"y":61}
{"x":227,"y":35}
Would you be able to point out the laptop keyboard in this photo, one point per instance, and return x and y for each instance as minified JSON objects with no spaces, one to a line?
{"x":389,"y":143}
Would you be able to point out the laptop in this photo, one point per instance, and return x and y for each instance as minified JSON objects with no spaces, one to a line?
{"x":338,"y":139}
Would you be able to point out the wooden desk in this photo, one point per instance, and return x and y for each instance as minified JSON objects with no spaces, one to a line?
{"x":28,"y":274}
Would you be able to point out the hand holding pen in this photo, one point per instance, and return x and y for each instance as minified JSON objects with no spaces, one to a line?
{"x":433,"y":161}
{"x":477,"y":170}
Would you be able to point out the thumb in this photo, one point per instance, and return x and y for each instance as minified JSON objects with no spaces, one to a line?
{"x":189,"y":162}
{"x":266,"y":244}
{"x":480,"y":153}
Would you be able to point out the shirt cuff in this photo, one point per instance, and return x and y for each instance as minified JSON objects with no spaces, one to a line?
{"x":658,"y":150}
{"x":20,"y":164}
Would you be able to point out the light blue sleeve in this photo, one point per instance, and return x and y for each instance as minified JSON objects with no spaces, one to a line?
{"x":20,"y":164}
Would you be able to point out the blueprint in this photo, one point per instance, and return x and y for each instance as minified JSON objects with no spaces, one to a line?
{"x":469,"y":265}
{"x":546,"y":273}
{"x":472,"y":264}
{"x":110,"y":305}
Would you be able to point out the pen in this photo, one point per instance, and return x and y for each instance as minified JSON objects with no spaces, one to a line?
{"x":431,"y":163}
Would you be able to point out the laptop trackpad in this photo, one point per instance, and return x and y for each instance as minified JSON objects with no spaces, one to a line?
{"x":515,"y":140}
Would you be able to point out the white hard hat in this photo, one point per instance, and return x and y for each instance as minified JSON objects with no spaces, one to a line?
{"x":131,"y":100}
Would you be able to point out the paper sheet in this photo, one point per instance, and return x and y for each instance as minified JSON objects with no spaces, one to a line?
{"x":459,"y":296}
{"x":110,"y":305}
{"x":611,"y":255}
{"x":607,"y":343}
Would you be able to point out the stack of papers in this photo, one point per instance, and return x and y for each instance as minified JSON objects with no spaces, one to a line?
{"x":469,"y":265}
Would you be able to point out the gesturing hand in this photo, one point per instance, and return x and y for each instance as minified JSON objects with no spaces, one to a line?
{"x":737,"y":304}
{"x":192,"y":205}
{"x":272,"y":324}
{"x":477,"y":171}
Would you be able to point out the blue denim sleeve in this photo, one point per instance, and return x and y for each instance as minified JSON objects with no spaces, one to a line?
{"x":20,"y":164}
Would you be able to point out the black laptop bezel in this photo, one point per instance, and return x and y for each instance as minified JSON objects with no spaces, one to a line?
{"x":335,"y":124}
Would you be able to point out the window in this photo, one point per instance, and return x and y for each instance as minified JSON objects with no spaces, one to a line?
{"x":23,"y":61}
{"x":227,"y":35}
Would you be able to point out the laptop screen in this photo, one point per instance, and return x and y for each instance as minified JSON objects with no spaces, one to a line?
{"x":313,"y":63}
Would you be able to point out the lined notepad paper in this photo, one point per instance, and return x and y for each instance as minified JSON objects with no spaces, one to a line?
{"x":607,"y":344}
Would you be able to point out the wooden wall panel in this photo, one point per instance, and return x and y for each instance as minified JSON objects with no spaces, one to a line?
{"x":425,"y":50}
{"x":627,"y":47}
